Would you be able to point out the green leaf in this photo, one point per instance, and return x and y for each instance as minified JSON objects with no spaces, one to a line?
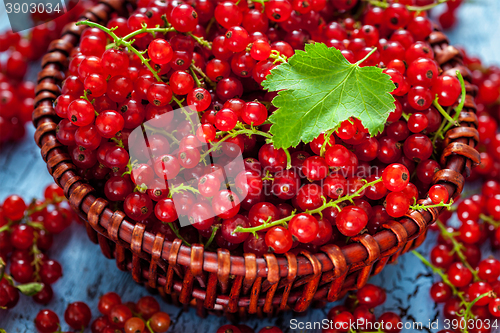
{"x":30,"y":289}
{"x":318,"y":89}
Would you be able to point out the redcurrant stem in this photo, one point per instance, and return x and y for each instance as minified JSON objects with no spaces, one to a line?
{"x":443,"y":275}
{"x":145,"y":29}
{"x":232,"y":135}
{"x":37,"y":262}
{"x":467,"y":313}
{"x":209,"y":25}
{"x":148,"y":325}
{"x":439,"y":132}
{"x":212,"y":236}
{"x":262,"y":2}
{"x":318,"y":210}
{"x":118,"y":142}
{"x":9,"y":279}
{"x":460,"y":106}
{"x":188,"y":115}
{"x":130,"y":166}
{"x":446,"y":125}
{"x":55,"y":200}
{"x":288,"y":158}
{"x":178,"y":188}
{"x":2,"y":268}
{"x":195,"y":77}
{"x":205,"y":77}
{"x":489,"y":220}
{"x":161,"y":131}
{"x":176,"y":232}
{"x":7,"y":226}
{"x":327,"y":136}
{"x":141,"y":188}
{"x":442,"y":204}
{"x":201,"y":41}
{"x":165,"y":22}
{"x":36,"y":225}
{"x":457,"y":248}
{"x":85,"y":97}
{"x":366,"y":57}
{"x":267,"y":176}
{"x":384,"y":4}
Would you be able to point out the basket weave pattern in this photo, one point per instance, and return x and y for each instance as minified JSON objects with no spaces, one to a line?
{"x":241,"y":284}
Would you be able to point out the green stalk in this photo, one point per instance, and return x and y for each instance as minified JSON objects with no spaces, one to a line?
{"x":121,"y":42}
{"x":439,"y":132}
{"x":161,"y":131}
{"x":148,"y":325}
{"x":366,"y":57}
{"x":460,"y":106}
{"x":489,"y":220}
{"x":446,"y":124}
{"x":288,"y":158}
{"x":467,"y":313}
{"x":444,"y":113}
{"x":36,"y":263}
{"x":186,"y":113}
{"x":205,"y":77}
{"x":327,"y":136}
{"x":277,"y":57}
{"x":318,"y":210}
{"x":232,"y":135}
{"x":195,"y":77}
{"x":145,"y":29}
{"x":179,"y":188}
{"x":2,"y":268}
{"x":201,"y":41}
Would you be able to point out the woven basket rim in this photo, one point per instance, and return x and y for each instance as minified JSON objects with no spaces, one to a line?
{"x":459,"y":155}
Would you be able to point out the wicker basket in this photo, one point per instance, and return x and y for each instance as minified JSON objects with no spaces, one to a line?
{"x":241,"y":284}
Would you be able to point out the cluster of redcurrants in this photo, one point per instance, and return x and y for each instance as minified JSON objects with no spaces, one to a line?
{"x":116,"y":317}
{"x":16,"y":94}
{"x":458,"y":254}
{"x":214,"y":68}
{"x":26,"y":233}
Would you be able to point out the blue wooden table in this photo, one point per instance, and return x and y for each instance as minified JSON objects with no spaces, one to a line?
{"x":88,"y":275}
